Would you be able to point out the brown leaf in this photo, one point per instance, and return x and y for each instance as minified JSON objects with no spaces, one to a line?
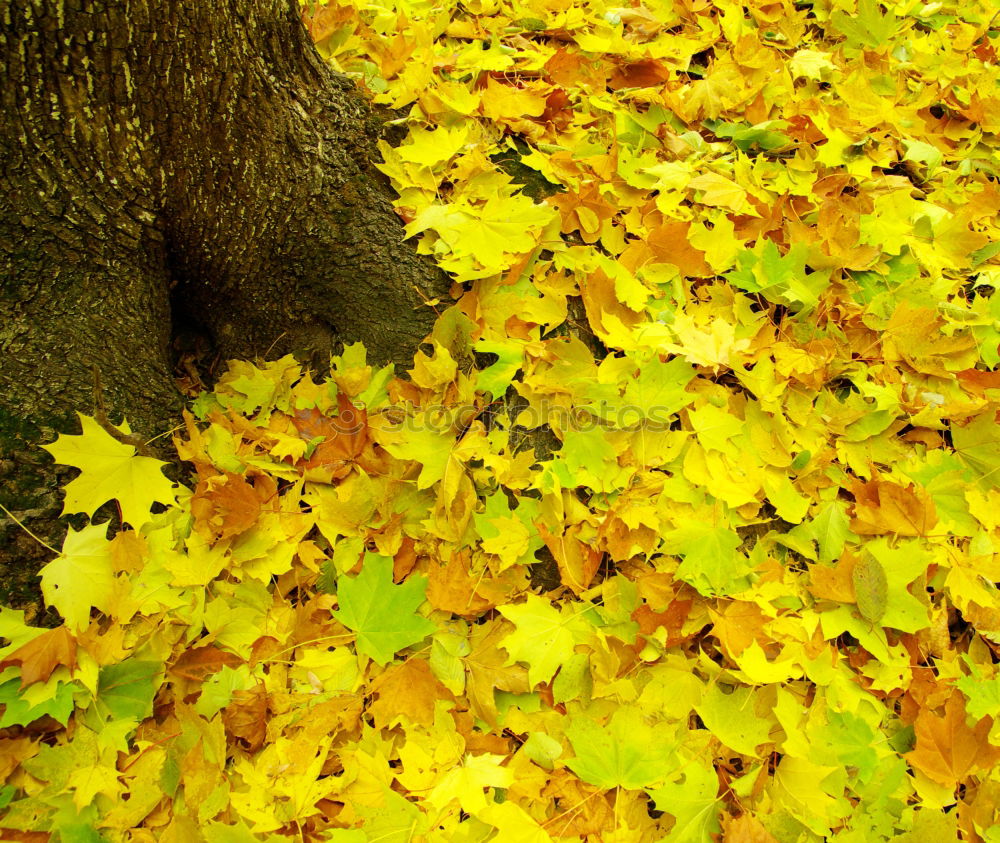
{"x":25,"y":836}
{"x":198,"y":663}
{"x":639,"y":74}
{"x":245,"y":717}
{"x":42,"y":655}
{"x":487,"y":670}
{"x":404,"y":560}
{"x":558,"y":111}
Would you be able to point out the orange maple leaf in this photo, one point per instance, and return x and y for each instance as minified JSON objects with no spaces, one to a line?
{"x":834,"y":583}
{"x":225,"y":505}
{"x":323,"y":21}
{"x":947,"y":749}
{"x":452,"y":587}
{"x":344,"y":437}
{"x":881,"y":506}
{"x":408,"y":691}
{"x":43,"y":654}
{"x":646,"y":73}
{"x":671,"y":619}
{"x":667,"y":243}
{"x":578,"y":561}
{"x":745,"y":828}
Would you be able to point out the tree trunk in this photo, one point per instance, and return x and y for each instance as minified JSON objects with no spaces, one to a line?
{"x":168,"y":166}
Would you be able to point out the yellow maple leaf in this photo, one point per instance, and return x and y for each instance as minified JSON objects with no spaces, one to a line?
{"x":513,"y":823}
{"x":504,"y":225}
{"x":501,"y":101}
{"x":718,"y":191}
{"x":431,"y":147}
{"x":110,"y":469}
{"x":81,"y":577}
{"x":88,"y":781}
{"x":468,"y":782}
{"x":713,"y":345}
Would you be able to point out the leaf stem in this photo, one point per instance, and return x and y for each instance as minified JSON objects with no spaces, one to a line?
{"x":21,"y":524}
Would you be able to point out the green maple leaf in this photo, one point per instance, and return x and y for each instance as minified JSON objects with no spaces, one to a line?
{"x":589,"y":460}
{"x":420,"y":440}
{"x":19,"y":711}
{"x":217,"y":691}
{"x":846,"y":740}
{"x":658,"y":389}
{"x":110,"y":469}
{"x":764,"y":135}
{"x":781,"y":279}
{"x":383,"y":615}
{"x":867,"y":28}
{"x":732,"y":718}
{"x":829,"y":529}
{"x":496,"y":377}
{"x":125,"y":690}
{"x":977,"y":444}
{"x":712,"y":561}
{"x":393,"y":817}
{"x":627,"y":752}
{"x":983,"y":694}
{"x":692,"y":802}
{"x":81,"y":577}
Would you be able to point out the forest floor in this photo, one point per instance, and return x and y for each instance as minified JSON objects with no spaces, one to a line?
{"x":738,"y":262}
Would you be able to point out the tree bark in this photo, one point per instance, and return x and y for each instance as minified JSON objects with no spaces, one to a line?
{"x":168,"y":166}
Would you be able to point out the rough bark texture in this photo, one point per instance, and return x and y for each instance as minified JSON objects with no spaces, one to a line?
{"x":169,"y":165}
